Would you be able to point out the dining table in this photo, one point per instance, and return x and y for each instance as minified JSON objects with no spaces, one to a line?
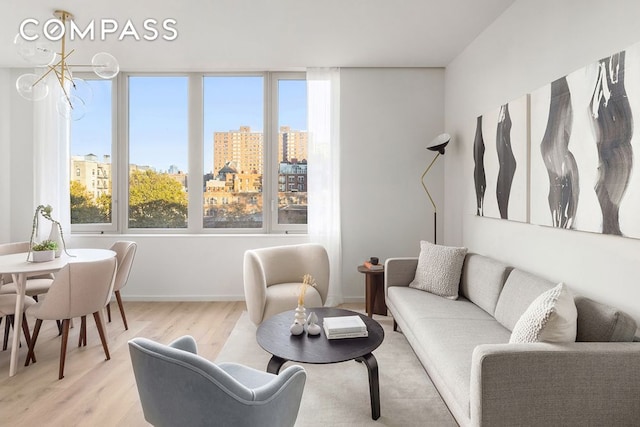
{"x":20,"y":269}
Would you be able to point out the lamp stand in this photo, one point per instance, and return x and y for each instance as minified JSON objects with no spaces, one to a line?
{"x":435,"y":227}
{"x":435,"y":220}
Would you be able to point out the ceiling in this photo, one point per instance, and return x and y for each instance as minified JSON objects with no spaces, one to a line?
{"x":268,"y":34}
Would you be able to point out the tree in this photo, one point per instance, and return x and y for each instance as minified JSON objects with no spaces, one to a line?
{"x":156,"y":201}
{"x":84,"y":210}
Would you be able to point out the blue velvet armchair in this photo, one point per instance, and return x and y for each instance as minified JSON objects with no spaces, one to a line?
{"x":179,"y":388}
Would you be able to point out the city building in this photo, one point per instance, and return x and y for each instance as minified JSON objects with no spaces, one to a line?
{"x":94,"y":175}
{"x":292,"y":176}
{"x":241,"y":147}
{"x":292,"y":144}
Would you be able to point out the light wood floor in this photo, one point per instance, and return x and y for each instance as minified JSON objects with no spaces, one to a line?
{"x":96,"y":392}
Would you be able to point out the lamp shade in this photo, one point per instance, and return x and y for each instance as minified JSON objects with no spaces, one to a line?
{"x":439,"y":142}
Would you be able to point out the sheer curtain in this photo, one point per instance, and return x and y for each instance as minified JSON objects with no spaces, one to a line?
{"x":51,"y":132}
{"x":323,"y":94}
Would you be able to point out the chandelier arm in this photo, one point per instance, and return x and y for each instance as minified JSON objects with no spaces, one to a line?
{"x":44,"y":75}
{"x":53,"y":68}
{"x":62,"y":69}
{"x":66,"y":95}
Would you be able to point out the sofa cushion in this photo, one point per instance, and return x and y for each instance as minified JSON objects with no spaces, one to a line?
{"x":601,"y":323}
{"x":552,"y":317}
{"x":519,"y":291}
{"x":482,"y":280}
{"x":445,"y":347}
{"x":414,"y":304}
{"x":439,"y":269}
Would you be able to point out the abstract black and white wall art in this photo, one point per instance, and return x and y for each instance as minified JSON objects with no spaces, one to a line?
{"x":500,"y":156}
{"x":479,"y":176}
{"x":550,"y":149}
{"x":583,"y":175}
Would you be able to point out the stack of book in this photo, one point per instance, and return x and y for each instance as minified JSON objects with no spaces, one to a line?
{"x":373,"y":267}
{"x":344,"y":327}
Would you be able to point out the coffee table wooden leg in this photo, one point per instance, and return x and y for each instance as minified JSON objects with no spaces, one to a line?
{"x":374,"y":384}
{"x":275,"y":363}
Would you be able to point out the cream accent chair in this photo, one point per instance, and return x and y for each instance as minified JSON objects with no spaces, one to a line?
{"x":79,"y":289}
{"x":272,"y":278}
{"x":125,"y":252}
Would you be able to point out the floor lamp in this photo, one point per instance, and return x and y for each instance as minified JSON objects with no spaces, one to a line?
{"x":437,"y":144}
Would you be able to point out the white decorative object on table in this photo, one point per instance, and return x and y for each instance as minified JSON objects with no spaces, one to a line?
{"x":312,"y":324}
{"x":296,"y":328}
{"x":300,"y":318}
{"x":44,"y":251}
{"x":55,"y":236}
{"x":301,"y":313}
{"x":43,"y":256}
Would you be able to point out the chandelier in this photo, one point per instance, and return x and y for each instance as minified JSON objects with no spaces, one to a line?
{"x":40,"y":52}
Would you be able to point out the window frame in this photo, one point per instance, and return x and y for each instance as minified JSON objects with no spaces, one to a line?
{"x":195,"y":165}
{"x":113,"y":226}
{"x":275,"y":79}
{"x":124,"y":141}
{"x":266,"y":202}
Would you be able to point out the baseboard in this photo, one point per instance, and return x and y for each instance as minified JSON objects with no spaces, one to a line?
{"x":178,"y":298}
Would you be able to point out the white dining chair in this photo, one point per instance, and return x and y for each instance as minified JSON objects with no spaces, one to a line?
{"x":36,"y":285}
{"x":125,"y":252}
{"x":8,"y":309}
{"x":79,"y":289}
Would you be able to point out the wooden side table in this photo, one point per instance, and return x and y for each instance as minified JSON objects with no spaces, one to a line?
{"x":374,"y":294}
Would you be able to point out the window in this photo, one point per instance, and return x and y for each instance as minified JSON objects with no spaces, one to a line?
{"x":90,"y":148}
{"x":158,"y":139}
{"x":233,"y":150}
{"x":192,"y":152}
{"x":292,"y":150}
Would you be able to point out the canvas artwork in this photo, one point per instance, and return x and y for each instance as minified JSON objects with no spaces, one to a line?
{"x":500,"y":162}
{"x":582,"y":148}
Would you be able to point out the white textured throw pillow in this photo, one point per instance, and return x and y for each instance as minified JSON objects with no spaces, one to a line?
{"x":439,"y":269}
{"x":552,"y":317}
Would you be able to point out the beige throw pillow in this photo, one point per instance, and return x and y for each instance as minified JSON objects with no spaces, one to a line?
{"x":552,"y":317}
{"x":439,"y":269}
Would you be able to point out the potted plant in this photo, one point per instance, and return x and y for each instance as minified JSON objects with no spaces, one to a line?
{"x":44,"y":251}
{"x":56,"y":230}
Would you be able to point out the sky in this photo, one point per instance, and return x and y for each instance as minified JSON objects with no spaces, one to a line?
{"x":158,"y":116}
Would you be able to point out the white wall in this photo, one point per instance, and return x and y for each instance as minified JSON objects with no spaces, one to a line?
{"x":387,"y":116}
{"x":21,"y":168}
{"x":16,"y":160}
{"x":187,"y":268}
{"x":531,"y":44}
{"x":5,"y":152}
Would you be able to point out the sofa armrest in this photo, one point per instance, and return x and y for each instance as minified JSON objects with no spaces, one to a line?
{"x":552,"y":384}
{"x":399,"y":271}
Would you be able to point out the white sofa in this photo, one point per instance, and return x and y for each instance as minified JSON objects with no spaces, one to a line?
{"x":464,"y":346}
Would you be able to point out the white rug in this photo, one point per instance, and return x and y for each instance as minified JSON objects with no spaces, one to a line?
{"x":338,"y":394}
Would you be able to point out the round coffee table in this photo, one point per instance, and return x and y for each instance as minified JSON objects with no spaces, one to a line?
{"x":273,"y":335}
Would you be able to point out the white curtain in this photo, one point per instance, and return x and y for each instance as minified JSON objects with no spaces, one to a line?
{"x":323,"y":94}
{"x":51,"y":160}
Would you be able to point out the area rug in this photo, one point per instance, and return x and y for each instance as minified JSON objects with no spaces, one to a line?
{"x":338,"y":394}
